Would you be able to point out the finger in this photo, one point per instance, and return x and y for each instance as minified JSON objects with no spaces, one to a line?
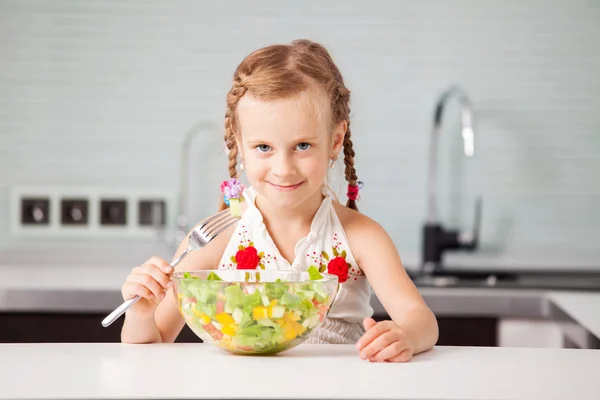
{"x":378,"y":344}
{"x":159,"y":276}
{"x":404,"y":356}
{"x":393,"y":349}
{"x":130,"y":290}
{"x":369,"y":323}
{"x":162,"y":264}
{"x":149,"y":283}
{"x":373,"y":333}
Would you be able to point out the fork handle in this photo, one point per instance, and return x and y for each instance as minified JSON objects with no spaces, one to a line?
{"x":113,"y":316}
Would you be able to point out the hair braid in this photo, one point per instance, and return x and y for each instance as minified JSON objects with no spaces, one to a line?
{"x":349,"y":162}
{"x":234,"y":95}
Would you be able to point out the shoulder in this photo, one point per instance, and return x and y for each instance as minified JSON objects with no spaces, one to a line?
{"x":364,"y":234}
{"x":210,"y":255}
{"x":356,"y":223}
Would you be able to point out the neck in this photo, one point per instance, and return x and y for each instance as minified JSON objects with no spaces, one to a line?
{"x":294,"y":218}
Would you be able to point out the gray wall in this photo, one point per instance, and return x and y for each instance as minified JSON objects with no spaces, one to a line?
{"x":100,"y":94}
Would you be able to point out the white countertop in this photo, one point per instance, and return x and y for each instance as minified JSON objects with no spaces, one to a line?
{"x":584,"y":308}
{"x":113,"y":370}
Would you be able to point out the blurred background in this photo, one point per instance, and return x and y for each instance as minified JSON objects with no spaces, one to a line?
{"x":111,"y":127}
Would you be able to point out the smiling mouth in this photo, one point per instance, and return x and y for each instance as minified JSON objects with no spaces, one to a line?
{"x":286,"y":187}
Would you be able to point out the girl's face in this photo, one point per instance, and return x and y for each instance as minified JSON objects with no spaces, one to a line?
{"x":287,"y":145}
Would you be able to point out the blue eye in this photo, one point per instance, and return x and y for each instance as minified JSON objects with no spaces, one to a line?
{"x":304,"y":146}
{"x":263,"y":148}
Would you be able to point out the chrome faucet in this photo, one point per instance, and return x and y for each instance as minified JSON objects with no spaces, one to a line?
{"x":436,"y":239}
{"x":182,"y":223}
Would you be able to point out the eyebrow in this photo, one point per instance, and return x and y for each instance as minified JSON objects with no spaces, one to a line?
{"x":299,"y":140}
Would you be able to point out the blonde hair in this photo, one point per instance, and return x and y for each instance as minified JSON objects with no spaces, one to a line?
{"x":279,"y":71}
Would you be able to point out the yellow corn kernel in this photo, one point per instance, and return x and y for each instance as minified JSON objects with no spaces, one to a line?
{"x":301,"y":330}
{"x":288,"y":332}
{"x":270,"y":308}
{"x":205,"y":318}
{"x":259,"y":312}
{"x":229,"y":329}
{"x":197,"y":313}
{"x":224,"y":319}
{"x":290,"y":316}
{"x":296,"y":327}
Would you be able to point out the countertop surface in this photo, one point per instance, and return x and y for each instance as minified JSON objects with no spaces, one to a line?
{"x":114,"y":370}
{"x":583,"y":308}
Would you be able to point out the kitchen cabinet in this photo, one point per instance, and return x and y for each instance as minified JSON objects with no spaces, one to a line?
{"x":85,"y":327}
{"x":66,"y":328}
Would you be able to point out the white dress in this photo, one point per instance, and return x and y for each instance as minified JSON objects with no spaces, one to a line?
{"x":325,"y":242}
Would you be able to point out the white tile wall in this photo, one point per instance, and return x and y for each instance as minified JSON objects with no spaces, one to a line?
{"x":101,"y":93}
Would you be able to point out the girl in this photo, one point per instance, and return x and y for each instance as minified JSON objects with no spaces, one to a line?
{"x":286,"y":124}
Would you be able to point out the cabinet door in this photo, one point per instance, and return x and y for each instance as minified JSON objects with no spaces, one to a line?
{"x":53,"y":328}
{"x":464,"y":331}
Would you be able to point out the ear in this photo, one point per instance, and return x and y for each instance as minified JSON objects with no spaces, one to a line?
{"x":339,"y":133}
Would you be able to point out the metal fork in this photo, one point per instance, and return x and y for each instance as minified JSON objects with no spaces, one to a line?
{"x":199,"y":237}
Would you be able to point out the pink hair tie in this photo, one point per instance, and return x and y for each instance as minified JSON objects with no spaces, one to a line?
{"x":353,"y":191}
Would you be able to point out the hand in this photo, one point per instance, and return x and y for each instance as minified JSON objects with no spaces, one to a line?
{"x":384,"y":341}
{"x":149,"y":281}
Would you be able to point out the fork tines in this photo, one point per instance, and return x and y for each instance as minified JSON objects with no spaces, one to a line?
{"x":217,"y":223}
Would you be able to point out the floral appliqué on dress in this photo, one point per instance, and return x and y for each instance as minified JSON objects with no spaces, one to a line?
{"x":247,"y":256}
{"x":336,"y":265}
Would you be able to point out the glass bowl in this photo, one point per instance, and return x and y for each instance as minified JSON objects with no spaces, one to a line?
{"x":254,"y":311}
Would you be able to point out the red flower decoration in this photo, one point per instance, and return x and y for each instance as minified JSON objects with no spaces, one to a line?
{"x":338,"y":266}
{"x":247,"y":258}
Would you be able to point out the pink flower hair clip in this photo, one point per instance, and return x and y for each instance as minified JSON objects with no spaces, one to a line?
{"x":353,"y":191}
{"x":232,"y":190}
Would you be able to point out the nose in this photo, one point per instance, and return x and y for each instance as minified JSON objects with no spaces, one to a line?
{"x":283,"y":165}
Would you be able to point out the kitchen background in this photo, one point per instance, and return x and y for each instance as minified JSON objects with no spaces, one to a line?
{"x":107,"y":99}
{"x":98,"y":96}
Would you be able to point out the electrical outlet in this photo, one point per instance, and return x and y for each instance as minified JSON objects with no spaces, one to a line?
{"x":35,"y":211}
{"x":113,"y":212}
{"x":74,"y":211}
{"x":151,"y":212}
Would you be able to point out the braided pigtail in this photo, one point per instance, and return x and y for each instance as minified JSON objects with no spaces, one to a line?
{"x":234,"y":95}
{"x":350,"y":171}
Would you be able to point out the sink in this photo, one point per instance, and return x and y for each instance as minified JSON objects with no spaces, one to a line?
{"x":524,"y":279}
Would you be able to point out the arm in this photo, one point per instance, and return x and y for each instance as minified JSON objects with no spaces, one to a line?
{"x":164,"y":323}
{"x":377,"y":256}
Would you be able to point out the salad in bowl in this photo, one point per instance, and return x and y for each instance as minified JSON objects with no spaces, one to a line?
{"x":254,"y":311}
